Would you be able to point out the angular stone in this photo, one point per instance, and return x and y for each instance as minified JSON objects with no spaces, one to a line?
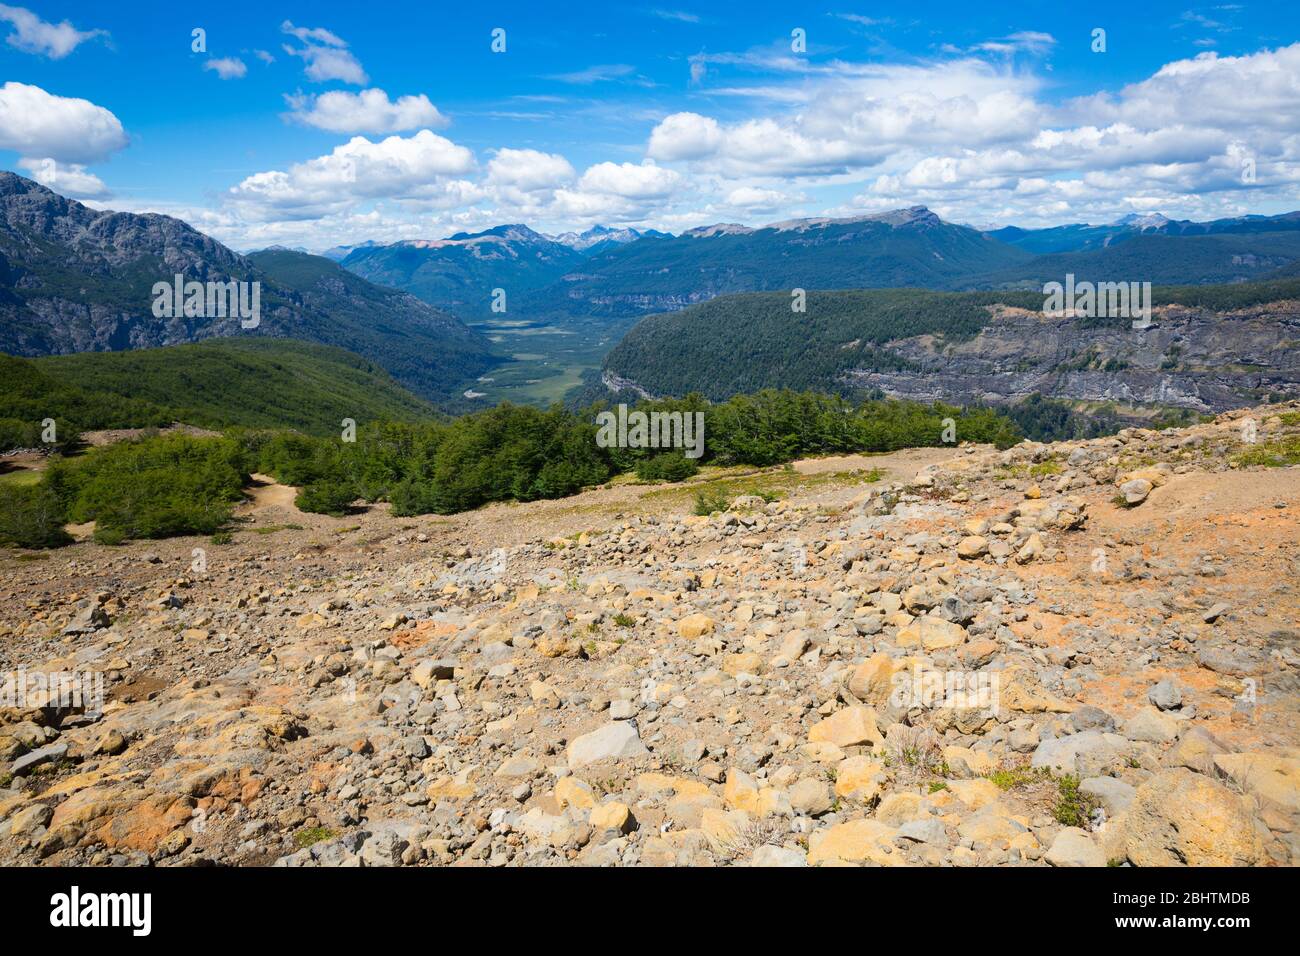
{"x":925,"y":830}
{"x":1151,"y":726}
{"x":1166,"y":695}
{"x":572,"y":792}
{"x":615,"y":741}
{"x":38,"y":756}
{"x":854,"y":842}
{"x":611,"y":816}
{"x":1273,"y":778}
{"x":931,"y":633}
{"x":810,"y":797}
{"x":849,"y":727}
{"x":1135,"y":491}
{"x":778,"y":856}
{"x":859,"y":778}
{"x":694,"y":626}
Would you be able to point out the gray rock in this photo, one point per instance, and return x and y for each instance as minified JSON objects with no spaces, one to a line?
{"x":769,"y":855}
{"x":1135,"y":492}
{"x":1227,"y":659}
{"x":1114,"y":795}
{"x":1090,"y":753}
{"x":88,"y":619}
{"x":38,"y":756}
{"x":925,"y":830}
{"x":615,"y":741}
{"x":1092,"y":718}
{"x":29,"y":820}
{"x":1166,"y":695}
{"x":387,"y":841}
{"x":1216,"y":612}
{"x":1074,"y":847}
{"x":416,"y":747}
{"x":1151,"y":726}
{"x":810,"y":797}
{"x":622,"y":709}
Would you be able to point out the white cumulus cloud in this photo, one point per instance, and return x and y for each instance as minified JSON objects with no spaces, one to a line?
{"x":629,"y":180}
{"x":529,"y":170}
{"x":414,"y":167}
{"x":34,"y":123}
{"x":370,"y":111}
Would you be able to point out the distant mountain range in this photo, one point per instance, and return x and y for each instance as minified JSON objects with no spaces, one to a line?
{"x":628,"y":274}
{"x":74,"y":279}
{"x":623,"y":273}
{"x":603,"y":238}
{"x":1079,"y":237}
{"x":461,"y":272}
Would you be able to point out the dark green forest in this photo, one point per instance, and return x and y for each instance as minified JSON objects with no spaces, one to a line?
{"x":162,"y":485}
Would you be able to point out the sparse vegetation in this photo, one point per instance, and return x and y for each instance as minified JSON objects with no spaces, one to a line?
{"x":1074,"y":808}
{"x":1274,"y":454}
{"x":309,"y":836}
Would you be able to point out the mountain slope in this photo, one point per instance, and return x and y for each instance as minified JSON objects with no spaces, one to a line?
{"x":910,"y":247}
{"x":1075,"y":237}
{"x":460,"y":273}
{"x":73,"y":279}
{"x":1212,"y":347}
{"x":255,"y":382}
{"x":1161,"y":259}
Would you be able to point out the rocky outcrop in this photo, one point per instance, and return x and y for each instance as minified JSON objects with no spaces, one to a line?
{"x":1188,"y":358}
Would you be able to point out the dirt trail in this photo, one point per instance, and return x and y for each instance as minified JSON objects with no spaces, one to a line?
{"x":267,"y":494}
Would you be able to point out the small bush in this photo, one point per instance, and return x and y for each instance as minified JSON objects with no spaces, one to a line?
{"x":31,"y":516}
{"x":152,"y":488}
{"x":327,"y":497}
{"x":707,"y":502}
{"x":107,"y":534}
{"x":670,"y":466}
{"x":1074,"y":808}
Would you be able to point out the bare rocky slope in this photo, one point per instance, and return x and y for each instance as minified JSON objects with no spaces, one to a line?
{"x":1190,"y":358}
{"x":611,"y":680}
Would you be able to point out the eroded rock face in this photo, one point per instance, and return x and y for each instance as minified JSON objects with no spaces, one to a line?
{"x":827,"y":679}
{"x":1021,"y":353}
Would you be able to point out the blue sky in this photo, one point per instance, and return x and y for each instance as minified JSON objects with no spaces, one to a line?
{"x":324,"y":123}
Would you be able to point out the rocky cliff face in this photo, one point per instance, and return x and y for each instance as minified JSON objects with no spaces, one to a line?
{"x":1189,"y":358}
{"x":74,"y":279}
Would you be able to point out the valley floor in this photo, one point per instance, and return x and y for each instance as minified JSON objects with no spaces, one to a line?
{"x":610,"y":680}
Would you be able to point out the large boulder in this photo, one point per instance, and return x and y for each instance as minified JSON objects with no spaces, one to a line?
{"x":1181,"y":818}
